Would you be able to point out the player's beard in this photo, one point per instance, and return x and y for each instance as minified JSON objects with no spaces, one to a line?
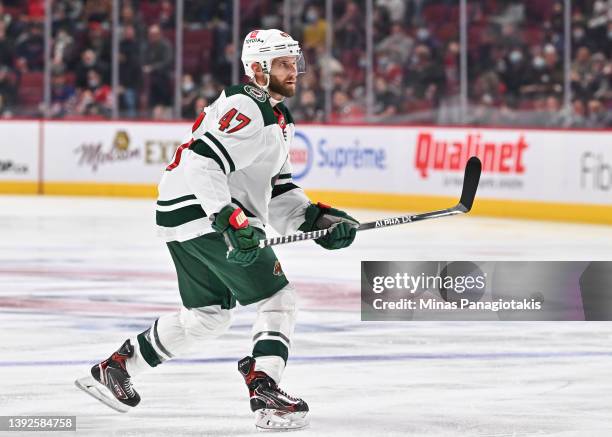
{"x":278,"y":87}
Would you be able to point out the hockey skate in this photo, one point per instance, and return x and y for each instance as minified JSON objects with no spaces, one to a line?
{"x":110,"y":382}
{"x":274,"y":409}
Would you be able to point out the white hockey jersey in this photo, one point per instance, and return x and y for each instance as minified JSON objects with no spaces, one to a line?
{"x":238,"y":153}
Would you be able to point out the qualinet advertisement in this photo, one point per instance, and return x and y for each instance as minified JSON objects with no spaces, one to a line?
{"x":550,"y":166}
{"x":19,"y":151}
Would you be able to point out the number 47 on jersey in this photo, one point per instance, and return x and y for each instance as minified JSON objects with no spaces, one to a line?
{"x":224,"y":123}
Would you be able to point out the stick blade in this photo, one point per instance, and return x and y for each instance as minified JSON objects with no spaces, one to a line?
{"x":470,"y":183}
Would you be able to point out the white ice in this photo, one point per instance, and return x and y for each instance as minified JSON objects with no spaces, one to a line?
{"x":79,"y":275}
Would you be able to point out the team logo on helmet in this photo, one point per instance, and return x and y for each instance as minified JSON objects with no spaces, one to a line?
{"x":254,"y":34}
{"x":256,"y":93}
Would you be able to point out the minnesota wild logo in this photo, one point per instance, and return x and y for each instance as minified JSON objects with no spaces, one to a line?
{"x":278,"y":271}
{"x":256,"y":93}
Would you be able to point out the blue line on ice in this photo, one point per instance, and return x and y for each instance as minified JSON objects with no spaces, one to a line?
{"x":348,"y":358}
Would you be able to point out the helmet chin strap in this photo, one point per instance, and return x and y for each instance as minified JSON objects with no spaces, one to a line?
{"x":265,"y":88}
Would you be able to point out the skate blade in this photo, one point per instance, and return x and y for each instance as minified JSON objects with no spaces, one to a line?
{"x":273,"y":420}
{"x":96,"y":390}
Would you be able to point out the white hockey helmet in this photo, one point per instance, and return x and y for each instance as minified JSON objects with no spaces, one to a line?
{"x":263,"y":46}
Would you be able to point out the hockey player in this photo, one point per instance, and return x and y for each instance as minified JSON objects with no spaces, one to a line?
{"x":230,"y":179}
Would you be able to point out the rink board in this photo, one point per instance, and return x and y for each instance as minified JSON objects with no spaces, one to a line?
{"x":527,"y":173}
{"x":20,"y":157}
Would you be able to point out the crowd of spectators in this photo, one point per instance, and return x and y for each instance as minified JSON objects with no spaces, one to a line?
{"x":81,"y":60}
{"x":515,"y":62}
{"x":515,"y":59}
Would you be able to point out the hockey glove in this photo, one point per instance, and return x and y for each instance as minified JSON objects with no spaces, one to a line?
{"x":321,"y":216}
{"x":240,"y":237}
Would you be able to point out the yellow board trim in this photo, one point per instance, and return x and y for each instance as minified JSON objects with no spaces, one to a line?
{"x":18,"y":187}
{"x":99,"y":189}
{"x":574,"y":212}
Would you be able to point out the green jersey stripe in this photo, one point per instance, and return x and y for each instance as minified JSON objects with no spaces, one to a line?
{"x":284,"y":176}
{"x":175,"y":201}
{"x":272,"y":334}
{"x":158,"y":342}
{"x":223,"y":150}
{"x":270,"y":347}
{"x":146,"y":349}
{"x":203,"y":149}
{"x":282,"y":189}
{"x":180,"y":216}
{"x":241,"y":206}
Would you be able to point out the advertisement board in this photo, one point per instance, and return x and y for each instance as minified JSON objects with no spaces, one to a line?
{"x":19,"y":156}
{"x":526,"y":172}
{"x":121,"y":152}
{"x":550,"y":166}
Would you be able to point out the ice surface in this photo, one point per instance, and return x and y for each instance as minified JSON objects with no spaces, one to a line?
{"x":78,"y":275}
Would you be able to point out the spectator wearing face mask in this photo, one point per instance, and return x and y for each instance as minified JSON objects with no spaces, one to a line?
{"x":189,"y":94}
{"x":96,"y":98}
{"x":89,"y":61}
{"x":513,"y":70}
{"x":546,"y":73}
{"x":424,"y":79}
{"x":315,"y":29}
{"x":424,"y":37}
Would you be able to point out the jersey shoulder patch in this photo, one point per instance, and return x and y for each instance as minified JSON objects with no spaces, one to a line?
{"x":259,"y":96}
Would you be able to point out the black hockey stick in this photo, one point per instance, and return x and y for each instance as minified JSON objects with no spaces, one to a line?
{"x":468,"y":193}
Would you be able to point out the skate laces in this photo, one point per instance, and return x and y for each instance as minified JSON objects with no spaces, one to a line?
{"x":128,"y":387}
{"x":281,"y":391}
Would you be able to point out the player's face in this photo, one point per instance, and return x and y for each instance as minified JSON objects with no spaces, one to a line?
{"x":283,"y":76}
